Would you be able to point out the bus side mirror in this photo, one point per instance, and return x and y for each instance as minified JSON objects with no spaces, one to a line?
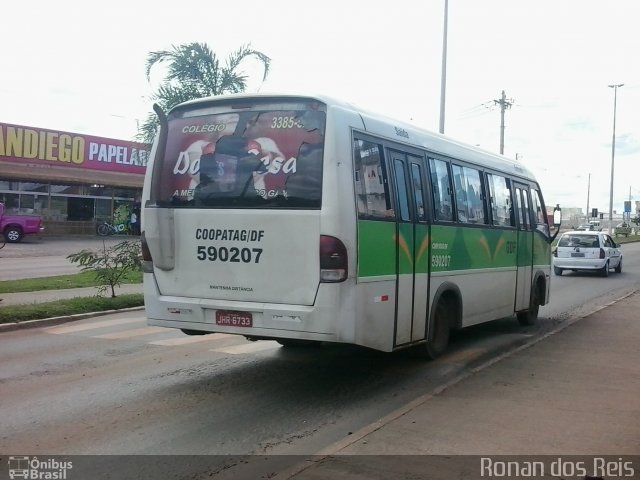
{"x":557,"y":221}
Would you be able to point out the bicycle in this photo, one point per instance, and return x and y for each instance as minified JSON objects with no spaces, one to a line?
{"x":105,"y":229}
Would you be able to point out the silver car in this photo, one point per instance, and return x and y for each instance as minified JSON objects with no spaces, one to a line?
{"x":586,"y":250}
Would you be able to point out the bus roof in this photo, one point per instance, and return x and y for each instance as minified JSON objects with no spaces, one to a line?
{"x":382,"y":125}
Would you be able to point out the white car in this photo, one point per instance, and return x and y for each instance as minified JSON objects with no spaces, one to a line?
{"x":586,"y":250}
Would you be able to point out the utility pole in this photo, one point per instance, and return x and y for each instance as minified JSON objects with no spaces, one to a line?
{"x":504,"y":104}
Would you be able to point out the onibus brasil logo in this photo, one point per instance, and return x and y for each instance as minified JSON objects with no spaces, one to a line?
{"x":33,"y":468}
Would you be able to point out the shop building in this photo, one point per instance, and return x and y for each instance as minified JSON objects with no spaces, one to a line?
{"x":73,"y":181}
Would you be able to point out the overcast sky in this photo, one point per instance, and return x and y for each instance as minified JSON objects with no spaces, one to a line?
{"x":72,"y":66}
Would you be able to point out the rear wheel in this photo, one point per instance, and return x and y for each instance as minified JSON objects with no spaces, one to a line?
{"x":557,"y":271}
{"x":604,"y":271}
{"x":441,"y":331}
{"x":193,"y":332}
{"x":529,"y":316}
{"x":619,"y":267}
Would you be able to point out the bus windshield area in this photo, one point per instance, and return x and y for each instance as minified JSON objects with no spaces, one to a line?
{"x":268,"y":158}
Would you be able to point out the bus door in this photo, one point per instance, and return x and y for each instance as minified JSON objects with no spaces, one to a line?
{"x":412,"y":252}
{"x":525,"y":246}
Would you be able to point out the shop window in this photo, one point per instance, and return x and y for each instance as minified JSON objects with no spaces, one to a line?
{"x":103,"y":209}
{"x":57,"y":210}
{"x":8,"y":185}
{"x":68,"y":189}
{"x":125,"y":192}
{"x":80,"y":209}
{"x":11,"y":202}
{"x":34,"y":187}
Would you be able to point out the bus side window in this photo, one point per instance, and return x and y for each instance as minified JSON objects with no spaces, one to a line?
{"x":401,"y":188}
{"x":416,"y":178}
{"x":469,"y":201}
{"x":441,"y":190}
{"x":371,"y":183}
{"x":539,"y":212}
{"x":522,"y":208}
{"x":499,"y":201}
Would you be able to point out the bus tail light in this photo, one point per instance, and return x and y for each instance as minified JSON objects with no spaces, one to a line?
{"x":333,"y":260}
{"x":147,"y":261}
{"x":602,"y":254}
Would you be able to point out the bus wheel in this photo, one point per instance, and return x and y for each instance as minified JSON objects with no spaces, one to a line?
{"x":529,"y":317}
{"x":441,"y":329}
{"x":293,"y":343}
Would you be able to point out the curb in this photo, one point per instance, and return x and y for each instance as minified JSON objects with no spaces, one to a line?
{"x":47,"y":322}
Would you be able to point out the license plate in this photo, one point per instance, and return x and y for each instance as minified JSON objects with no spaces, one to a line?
{"x":574,"y":254}
{"x":234,"y":319}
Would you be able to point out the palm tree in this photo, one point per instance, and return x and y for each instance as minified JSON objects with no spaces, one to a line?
{"x":194,"y":71}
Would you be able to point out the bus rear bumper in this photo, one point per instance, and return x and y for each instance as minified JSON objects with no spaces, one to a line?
{"x":268,"y":320}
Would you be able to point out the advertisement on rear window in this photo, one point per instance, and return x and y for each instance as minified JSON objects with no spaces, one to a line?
{"x":247,"y":159}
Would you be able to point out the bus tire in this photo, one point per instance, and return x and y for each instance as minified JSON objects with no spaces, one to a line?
{"x":530,"y":316}
{"x":294,"y":343}
{"x":441,"y":331}
{"x":187,"y":331}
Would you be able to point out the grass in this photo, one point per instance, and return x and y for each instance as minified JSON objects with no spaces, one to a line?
{"x":71,"y":306}
{"x":629,"y":239}
{"x":78,"y":280}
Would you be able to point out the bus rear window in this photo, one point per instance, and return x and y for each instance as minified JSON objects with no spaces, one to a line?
{"x":269,"y":157}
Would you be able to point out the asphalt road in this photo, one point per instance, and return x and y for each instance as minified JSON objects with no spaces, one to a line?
{"x":111,"y":385}
{"x":43,"y":256}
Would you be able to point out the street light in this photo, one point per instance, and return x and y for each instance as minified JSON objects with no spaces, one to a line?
{"x":443,"y":79}
{"x":588,"y":191}
{"x":613,"y":153}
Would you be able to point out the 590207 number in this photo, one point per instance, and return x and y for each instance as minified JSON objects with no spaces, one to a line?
{"x":440,"y":261}
{"x":233,"y":254}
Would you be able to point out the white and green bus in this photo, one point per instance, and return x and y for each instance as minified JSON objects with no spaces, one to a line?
{"x":304,"y":219}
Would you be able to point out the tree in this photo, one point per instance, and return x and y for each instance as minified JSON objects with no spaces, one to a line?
{"x":194,"y":71}
{"x":111,"y":265}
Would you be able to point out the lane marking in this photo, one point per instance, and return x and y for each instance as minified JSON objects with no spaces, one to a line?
{"x":137,"y":332}
{"x":93,"y":325}
{"x":252,"y":347}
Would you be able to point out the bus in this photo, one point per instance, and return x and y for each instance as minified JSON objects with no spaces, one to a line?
{"x":304,"y":219}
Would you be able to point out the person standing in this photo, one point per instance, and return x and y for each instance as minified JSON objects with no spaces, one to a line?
{"x":134,"y":223}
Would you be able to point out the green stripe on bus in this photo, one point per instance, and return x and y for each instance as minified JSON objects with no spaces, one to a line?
{"x":450,"y":248}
